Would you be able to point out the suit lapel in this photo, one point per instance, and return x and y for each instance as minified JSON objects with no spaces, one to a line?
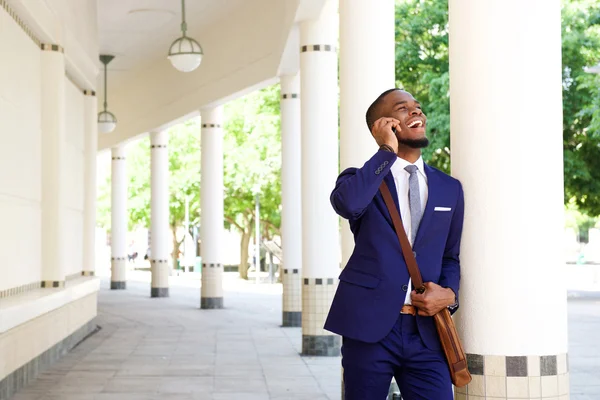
{"x":389,"y":179}
{"x":433,"y":187}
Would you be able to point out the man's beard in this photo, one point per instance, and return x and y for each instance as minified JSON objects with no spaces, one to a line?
{"x":415,"y":143}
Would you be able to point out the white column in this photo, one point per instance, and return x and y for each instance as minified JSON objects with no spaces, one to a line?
{"x":119,"y":219}
{"x":366,"y":34}
{"x":159,"y":223}
{"x":53,"y":168}
{"x":89,"y":214}
{"x":291,"y":199}
{"x":211,"y":203}
{"x":513,"y":316}
{"x":320,"y":233}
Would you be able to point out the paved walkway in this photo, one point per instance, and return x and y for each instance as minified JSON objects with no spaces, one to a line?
{"x":168,"y":349}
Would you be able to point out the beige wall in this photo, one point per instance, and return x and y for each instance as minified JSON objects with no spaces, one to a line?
{"x":20,"y":345}
{"x":20,"y":156}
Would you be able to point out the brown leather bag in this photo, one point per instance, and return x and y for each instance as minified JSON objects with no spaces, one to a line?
{"x":455,"y":355}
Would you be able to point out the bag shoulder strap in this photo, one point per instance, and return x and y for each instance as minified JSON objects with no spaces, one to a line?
{"x":409,"y":257}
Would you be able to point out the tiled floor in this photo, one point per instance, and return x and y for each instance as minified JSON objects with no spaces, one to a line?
{"x":169,"y":349}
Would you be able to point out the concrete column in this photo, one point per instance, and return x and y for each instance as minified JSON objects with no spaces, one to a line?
{"x":291,"y":199}
{"x":320,"y":225}
{"x":211,"y":203}
{"x":54,"y":236}
{"x":118,"y":219}
{"x":366,"y":34}
{"x":159,"y":224}
{"x":89,"y":214}
{"x":513,"y":316}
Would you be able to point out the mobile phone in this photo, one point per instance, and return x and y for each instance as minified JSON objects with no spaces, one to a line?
{"x":394,"y":130}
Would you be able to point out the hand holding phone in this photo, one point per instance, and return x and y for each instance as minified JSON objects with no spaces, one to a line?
{"x":384,"y":131}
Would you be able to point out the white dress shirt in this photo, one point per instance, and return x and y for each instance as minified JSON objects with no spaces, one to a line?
{"x":401,"y":180}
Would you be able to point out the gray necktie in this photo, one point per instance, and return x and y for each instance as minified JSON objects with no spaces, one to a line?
{"x":414,"y":200}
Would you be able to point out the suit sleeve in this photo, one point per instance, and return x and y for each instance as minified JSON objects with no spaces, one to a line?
{"x":450,"y":277}
{"x":355,"y":188}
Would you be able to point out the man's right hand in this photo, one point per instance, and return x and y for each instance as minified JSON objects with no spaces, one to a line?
{"x":383,"y":134}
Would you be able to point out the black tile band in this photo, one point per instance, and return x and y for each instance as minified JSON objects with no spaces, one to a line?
{"x":518,"y":366}
{"x":159,"y":261}
{"x":53,"y":284}
{"x":318,"y":47}
{"x":318,"y":281}
{"x":326,"y":345}
{"x":4,"y":4}
{"x":114,"y":285}
{"x":211,"y":303}
{"x":88,"y":273}
{"x":52,"y":47}
{"x":158,"y":146}
{"x":290,"y":96}
{"x":159,"y":292}
{"x":212,"y":265}
{"x":117,"y":258}
{"x":89,"y":93}
{"x":211,"y":125}
{"x":292,"y":319}
{"x":20,"y":289}
{"x":25,"y":375}
{"x":291,"y":271}
{"x":118,"y":158}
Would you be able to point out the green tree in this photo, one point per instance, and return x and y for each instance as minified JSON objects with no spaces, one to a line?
{"x":253,"y":165}
{"x":422,"y":69}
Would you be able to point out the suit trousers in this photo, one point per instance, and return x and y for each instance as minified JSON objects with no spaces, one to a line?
{"x":421,"y":373}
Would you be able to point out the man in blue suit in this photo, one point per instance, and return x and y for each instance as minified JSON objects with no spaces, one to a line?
{"x":387,"y":329}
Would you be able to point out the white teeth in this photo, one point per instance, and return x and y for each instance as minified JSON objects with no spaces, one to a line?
{"x":415,"y":123}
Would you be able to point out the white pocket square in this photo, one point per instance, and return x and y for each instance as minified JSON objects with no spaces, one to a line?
{"x":442,"y":209}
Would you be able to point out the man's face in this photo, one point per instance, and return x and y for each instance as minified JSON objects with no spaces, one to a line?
{"x":403,"y":106}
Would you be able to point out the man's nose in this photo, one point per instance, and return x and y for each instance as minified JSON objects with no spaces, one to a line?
{"x":416,"y":111}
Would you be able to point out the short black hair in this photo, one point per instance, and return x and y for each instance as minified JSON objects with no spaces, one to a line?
{"x":374,"y":110}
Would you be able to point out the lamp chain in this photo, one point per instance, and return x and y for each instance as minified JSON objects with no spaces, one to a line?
{"x":183,"y":23}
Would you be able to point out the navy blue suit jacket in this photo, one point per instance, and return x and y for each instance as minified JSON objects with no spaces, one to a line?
{"x":370,"y":292}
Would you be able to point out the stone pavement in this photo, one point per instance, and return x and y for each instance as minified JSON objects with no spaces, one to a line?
{"x":169,"y":349}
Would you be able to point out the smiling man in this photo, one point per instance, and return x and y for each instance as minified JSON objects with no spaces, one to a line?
{"x":387,"y":327}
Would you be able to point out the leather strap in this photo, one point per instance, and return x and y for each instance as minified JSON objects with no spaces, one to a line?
{"x":407,"y":252}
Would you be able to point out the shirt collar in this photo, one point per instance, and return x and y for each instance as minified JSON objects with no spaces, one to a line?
{"x":401,"y":163}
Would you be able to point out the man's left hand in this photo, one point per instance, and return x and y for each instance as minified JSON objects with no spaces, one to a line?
{"x":433,"y":300}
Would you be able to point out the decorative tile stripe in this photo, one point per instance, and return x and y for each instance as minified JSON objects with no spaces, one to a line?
{"x":118,"y":158}
{"x":211,"y":303}
{"x":318,"y":281}
{"x":210,"y":265}
{"x":518,"y":366}
{"x":25,"y":375}
{"x":292,"y":319}
{"x":159,"y":146}
{"x":118,"y":258}
{"x":4,"y":4}
{"x":53,"y":284}
{"x":211,"y":125}
{"x":159,"y":261}
{"x":20,"y":289}
{"x":290,"y":96}
{"x":292,"y":271}
{"x":52,"y":47}
{"x":328,"y":345}
{"x":318,"y":47}
{"x":88,"y":273}
{"x":159,"y":292}
{"x":114,"y":285}
{"x":89,"y":93}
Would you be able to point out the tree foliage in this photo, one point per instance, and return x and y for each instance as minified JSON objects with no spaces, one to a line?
{"x":422,"y":69}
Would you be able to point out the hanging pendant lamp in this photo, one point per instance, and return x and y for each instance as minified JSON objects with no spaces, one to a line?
{"x":185,"y":53}
{"x":107,"y":122}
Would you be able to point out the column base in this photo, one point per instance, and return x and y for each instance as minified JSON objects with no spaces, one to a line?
{"x":326,"y":345}
{"x":211,"y":303}
{"x":118,"y":285}
{"x":292,"y":319}
{"x":88,"y":273}
{"x":525,"y":377}
{"x":159,"y":292}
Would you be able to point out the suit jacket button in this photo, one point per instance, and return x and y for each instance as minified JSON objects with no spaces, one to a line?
{"x":405,"y":287}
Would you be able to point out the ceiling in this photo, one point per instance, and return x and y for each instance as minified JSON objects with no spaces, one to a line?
{"x":139,"y":32}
